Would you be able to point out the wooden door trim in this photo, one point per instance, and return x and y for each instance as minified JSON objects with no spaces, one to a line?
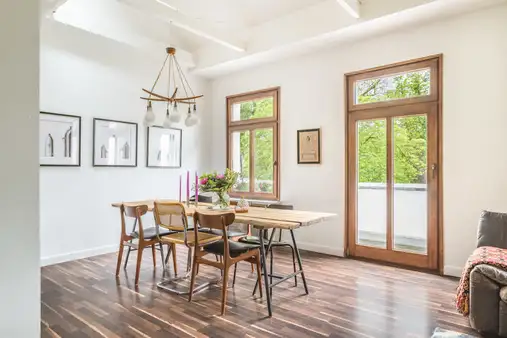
{"x":417,"y":107}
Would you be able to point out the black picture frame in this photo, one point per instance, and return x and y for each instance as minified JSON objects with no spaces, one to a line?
{"x":319,"y":152}
{"x":95,"y":119}
{"x":80,"y":138}
{"x":148,"y":148}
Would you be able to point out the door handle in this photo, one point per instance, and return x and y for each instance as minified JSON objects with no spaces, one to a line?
{"x":433,"y":170}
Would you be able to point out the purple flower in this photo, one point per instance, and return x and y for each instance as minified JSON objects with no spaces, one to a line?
{"x":220,"y":176}
{"x":204,"y":181}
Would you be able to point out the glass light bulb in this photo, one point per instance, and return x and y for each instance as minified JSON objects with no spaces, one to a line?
{"x":149,"y":118}
{"x":191,"y":119}
{"x":167,"y":120}
{"x":175,"y":116}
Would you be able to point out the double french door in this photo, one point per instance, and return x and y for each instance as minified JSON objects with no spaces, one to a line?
{"x":393,"y":164}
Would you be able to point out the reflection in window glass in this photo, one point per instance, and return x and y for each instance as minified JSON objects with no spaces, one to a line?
{"x":393,"y":87}
{"x":255,"y":109}
{"x":263,"y":160}
{"x":240,"y":155}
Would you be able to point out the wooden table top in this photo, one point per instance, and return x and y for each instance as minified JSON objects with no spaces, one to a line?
{"x":260,"y":218}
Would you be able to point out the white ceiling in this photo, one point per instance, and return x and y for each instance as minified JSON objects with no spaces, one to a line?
{"x":238,"y":14}
{"x":220,"y":36}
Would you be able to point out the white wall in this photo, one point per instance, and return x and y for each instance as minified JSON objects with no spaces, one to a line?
{"x":91,"y":76}
{"x":19,"y":179}
{"x":475,"y":115}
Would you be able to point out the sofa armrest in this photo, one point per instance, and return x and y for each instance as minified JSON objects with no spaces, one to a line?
{"x":484,"y":300}
{"x":495,"y":274}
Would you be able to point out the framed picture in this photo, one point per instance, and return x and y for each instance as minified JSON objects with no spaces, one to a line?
{"x":114,"y":143}
{"x":309,"y":146}
{"x":59,"y":140}
{"x":164,"y":147}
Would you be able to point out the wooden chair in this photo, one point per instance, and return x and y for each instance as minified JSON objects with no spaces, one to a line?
{"x":146,"y":237}
{"x":171,"y":216}
{"x":232,"y":252}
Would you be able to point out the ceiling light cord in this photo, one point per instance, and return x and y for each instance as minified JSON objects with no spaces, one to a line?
{"x":159,"y":73}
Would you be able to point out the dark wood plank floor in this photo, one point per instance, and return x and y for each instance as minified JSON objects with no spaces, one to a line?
{"x":348,"y":298}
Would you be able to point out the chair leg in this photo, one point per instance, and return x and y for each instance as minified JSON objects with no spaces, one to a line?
{"x":175,"y":260}
{"x":120,"y":255}
{"x":224,"y":288}
{"x":259,"y":273}
{"x":138,"y":266}
{"x":195,"y":266}
{"x":162,"y":256}
{"x":271,"y":266}
{"x":234,"y":276}
{"x":127,"y":258}
{"x":153,"y":255}
{"x":294,"y":264}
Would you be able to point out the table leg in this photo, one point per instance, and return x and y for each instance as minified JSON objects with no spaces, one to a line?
{"x":264,"y":270}
{"x":130,"y":248}
{"x":299,"y":260}
{"x":268,"y":252}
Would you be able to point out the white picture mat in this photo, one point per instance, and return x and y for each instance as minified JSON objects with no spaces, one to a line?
{"x":115,"y":143}
{"x":164,"y":147}
{"x":57,"y":126}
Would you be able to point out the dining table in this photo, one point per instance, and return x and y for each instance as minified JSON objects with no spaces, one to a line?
{"x":263,"y":219}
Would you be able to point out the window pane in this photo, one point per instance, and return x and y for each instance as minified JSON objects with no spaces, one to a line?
{"x":410,"y":211}
{"x":240,"y":155}
{"x":393,"y":87}
{"x":263,"y":160}
{"x":372,"y":183}
{"x":255,"y":109}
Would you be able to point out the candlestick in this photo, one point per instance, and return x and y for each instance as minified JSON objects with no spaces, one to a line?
{"x":196,"y":189}
{"x":188,"y":187}
{"x":180,"y":188}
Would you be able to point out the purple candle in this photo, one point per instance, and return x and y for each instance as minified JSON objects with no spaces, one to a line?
{"x":188,"y":186}
{"x":180,"y":188}
{"x":196,"y":187}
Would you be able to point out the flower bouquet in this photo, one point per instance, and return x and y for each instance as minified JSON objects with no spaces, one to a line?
{"x":219,"y":184}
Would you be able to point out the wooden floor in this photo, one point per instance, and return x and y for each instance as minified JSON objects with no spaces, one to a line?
{"x":347,"y":298}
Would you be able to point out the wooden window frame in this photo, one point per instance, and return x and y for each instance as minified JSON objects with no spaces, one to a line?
{"x":354,"y":111}
{"x":251,"y":125}
{"x":410,"y":66}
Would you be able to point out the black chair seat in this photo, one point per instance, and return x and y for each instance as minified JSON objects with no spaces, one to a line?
{"x":235,"y":248}
{"x":256,"y":240}
{"x":150,"y":233}
{"x":230,"y":233}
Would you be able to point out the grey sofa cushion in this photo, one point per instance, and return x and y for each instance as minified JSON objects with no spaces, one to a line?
{"x":492,"y":230}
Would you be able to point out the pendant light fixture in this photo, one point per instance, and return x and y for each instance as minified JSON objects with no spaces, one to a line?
{"x":177,"y":83}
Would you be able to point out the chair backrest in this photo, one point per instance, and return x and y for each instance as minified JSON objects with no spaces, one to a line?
{"x":213,"y":220}
{"x":171,"y":215}
{"x":133,"y":212}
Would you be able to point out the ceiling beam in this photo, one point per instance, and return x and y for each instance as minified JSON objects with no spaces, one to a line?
{"x":352,"y":7}
{"x":164,"y":11}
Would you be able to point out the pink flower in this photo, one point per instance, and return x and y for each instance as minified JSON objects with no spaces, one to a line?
{"x":204,"y":181}
{"x":220,"y":176}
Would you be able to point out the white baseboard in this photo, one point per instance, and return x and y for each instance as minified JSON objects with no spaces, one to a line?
{"x":78,"y":255}
{"x":454,"y":271}
{"x":328,"y":250}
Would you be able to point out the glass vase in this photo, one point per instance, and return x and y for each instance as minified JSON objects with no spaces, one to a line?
{"x":223,"y":200}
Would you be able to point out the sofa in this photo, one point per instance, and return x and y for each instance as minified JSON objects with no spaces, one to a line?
{"x":488,"y":284}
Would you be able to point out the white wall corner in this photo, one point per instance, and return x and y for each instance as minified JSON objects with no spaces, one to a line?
{"x":56,"y":259}
{"x":454,"y":271}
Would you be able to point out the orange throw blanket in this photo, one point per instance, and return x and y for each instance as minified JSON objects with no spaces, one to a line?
{"x":484,"y":255}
